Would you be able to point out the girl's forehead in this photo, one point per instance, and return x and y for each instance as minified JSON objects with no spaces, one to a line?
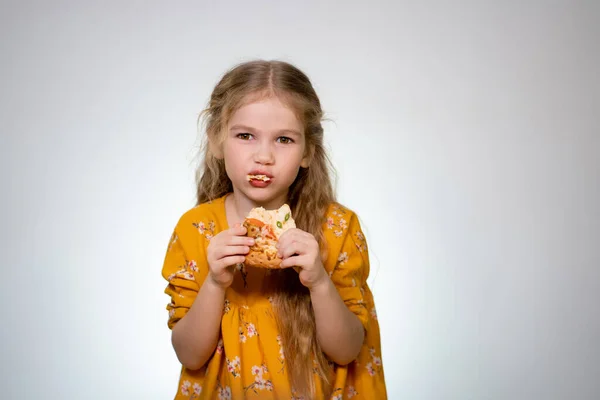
{"x":266,"y":111}
{"x":267,"y":97}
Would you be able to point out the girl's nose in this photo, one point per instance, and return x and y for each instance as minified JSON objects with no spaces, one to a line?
{"x":264,"y":154}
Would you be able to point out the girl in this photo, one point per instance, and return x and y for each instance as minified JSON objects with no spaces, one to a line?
{"x":306,"y":332}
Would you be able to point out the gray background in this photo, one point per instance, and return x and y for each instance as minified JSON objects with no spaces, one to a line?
{"x":466,"y":135}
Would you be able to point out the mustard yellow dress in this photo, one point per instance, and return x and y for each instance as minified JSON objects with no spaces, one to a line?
{"x":248,"y":362}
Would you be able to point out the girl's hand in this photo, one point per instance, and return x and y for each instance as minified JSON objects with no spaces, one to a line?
{"x":225,"y":250}
{"x":300,"y":249}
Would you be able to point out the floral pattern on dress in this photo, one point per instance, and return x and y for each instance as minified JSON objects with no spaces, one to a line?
{"x":374,"y":313}
{"x":260,"y":382}
{"x":224,"y":392}
{"x":337,"y":394}
{"x":342,"y":259}
{"x":193,"y":391}
{"x":351,"y":392}
{"x":233,"y":366}
{"x":281,"y":356}
{"x":226,"y":306}
{"x":207,"y":230}
{"x":336,"y":221}
{"x":185,"y":270}
{"x":192,"y":266}
{"x":361,"y":242}
{"x":220,"y":346}
{"x":375,"y":365}
{"x":246,"y":329}
{"x":243,"y":337}
{"x":182,"y":273}
{"x":172,"y":241}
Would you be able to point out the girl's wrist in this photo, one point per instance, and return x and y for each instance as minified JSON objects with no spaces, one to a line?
{"x":214,"y":287}
{"x":322,"y":285}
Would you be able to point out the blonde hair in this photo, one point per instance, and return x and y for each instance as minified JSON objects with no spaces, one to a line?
{"x":309,"y":197}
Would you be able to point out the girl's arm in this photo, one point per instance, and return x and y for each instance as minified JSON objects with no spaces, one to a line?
{"x":195,"y":336}
{"x":339,"y":331}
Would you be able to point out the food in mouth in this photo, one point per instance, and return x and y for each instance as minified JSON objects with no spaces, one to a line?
{"x":262,"y":178}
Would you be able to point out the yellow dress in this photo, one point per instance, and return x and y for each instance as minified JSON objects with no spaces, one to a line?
{"x":248,"y":362}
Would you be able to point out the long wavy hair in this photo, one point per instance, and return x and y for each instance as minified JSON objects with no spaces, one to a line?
{"x":309,"y":197}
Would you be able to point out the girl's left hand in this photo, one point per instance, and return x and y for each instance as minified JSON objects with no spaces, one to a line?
{"x":300,"y":249}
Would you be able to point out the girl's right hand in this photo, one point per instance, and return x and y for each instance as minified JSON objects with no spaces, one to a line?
{"x":225,"y":250}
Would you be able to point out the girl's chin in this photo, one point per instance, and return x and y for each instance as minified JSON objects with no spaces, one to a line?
{"x":263,"y":196}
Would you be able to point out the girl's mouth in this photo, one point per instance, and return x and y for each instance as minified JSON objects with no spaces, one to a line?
{"x":261,"y":178}
{"x":259,"y":183}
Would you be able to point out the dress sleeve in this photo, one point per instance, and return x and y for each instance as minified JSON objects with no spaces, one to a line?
{"x":181,"y":272}
{"x":352,"y":270}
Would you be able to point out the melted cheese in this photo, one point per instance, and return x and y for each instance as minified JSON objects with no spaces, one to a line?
{"x":275,"y":218}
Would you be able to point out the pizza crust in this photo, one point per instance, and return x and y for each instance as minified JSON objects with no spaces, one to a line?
{"x":258,"y":258}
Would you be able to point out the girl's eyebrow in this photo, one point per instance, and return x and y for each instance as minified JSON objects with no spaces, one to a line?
{"x":250,"y":129}
{"x":241,"y":128}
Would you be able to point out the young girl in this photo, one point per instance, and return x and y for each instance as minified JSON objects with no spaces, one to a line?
{"x":306,"y":332}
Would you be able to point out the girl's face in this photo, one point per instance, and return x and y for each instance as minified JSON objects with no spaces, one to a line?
{"x":264,"y":138}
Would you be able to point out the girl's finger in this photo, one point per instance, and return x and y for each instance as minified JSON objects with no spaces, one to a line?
{"x":227,"y":251}
{"x":295,"y":247}
{"x":305,"y":234}
{"x":296,"y":261}
{"x":295,"y":235}
{"x":231,"y":261}
{"x":289,"y":236}
{"x":238,"y":230}
{"x":239,"y":241}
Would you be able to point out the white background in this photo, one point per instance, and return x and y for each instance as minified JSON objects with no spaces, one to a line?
{"x":466,"y":135}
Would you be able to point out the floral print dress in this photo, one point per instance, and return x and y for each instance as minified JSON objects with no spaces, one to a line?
{"x":248,"y":362}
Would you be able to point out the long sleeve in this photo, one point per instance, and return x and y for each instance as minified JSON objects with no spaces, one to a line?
{"x":351,"y":269}
{"x":180,"y":270}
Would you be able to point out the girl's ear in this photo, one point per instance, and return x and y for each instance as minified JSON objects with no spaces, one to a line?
{"x":215,"y":148}
{"x":307,"y":157}
{"x":305,"y":162}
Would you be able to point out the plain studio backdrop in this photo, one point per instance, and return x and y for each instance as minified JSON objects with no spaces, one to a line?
{"x":466,"y":136}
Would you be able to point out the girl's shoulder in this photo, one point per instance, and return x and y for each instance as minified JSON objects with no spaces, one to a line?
{"x":338,"y":219}
{"x":206,"y":219}
{"x":341,"y":226}
{"x":336,"y":208}
{"x":346,"y":243}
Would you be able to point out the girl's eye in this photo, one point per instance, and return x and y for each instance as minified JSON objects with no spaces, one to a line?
{"x":244,"y":136}
{"x":284,"y":140}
